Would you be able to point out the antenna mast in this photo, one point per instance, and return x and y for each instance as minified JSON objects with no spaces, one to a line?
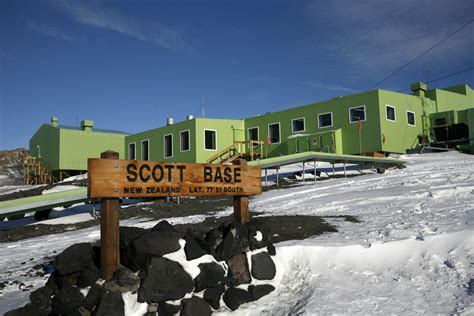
{"x":202,"y":107}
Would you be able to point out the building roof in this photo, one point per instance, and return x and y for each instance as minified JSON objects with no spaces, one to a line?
{"x":98,"y":130}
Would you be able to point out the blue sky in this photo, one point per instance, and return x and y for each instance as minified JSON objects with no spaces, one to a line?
{"x":128,"y":65}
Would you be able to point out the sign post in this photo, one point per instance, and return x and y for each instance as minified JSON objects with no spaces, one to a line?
{"x":110,"y":178}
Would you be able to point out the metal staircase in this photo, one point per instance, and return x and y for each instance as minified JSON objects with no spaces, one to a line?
{"x":249,"y":150}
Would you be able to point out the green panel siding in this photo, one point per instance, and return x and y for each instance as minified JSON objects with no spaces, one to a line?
{"x":227,"y":131}
{"x":470,"y":120}
{"x":447,"y":100}
{"x":156,"y":142}
{"x":45,"y":145}
{"x":398,"y":135}
{"x":348,"y":136}
{"x":77,"y":146}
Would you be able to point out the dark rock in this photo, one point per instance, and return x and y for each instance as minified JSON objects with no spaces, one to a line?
{"x":163,"y":280}
{"x":259,"y":291}
{"x":211,"y":274}
{"x":52,"y":282}
{"x":93,"y":297}
{"x":154,"y":244}
{"x":74,"y":259}
{"x":81,"y":311}
{"x":67,"y":301}
{"x":195,"y":306}
{"x":239,"y":272}
{"x":67,"y":280}
{"x":213,"y":238}
{"x":41,"y":298}
{"x":263,"y":267}
{"x":127,"y":236}
{"x":195,"y":247}
{"x":123,"y":281}
{"x":257,"y":227}
{"x":88,"y":276}
{"x":235,"y":241}
{"x":235,"y":297}
{"x":165,"y":309}
{"x":163,"y":226}
{"x":213,"y":295}
{"x":27,"y":310}
{"x":111,"y":303}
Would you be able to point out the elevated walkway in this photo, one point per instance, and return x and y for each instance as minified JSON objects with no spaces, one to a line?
{"x":42,"y":202}
{"x":310,"y":156}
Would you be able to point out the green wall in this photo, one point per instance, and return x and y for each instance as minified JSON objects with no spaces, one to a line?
{"x":45,"y":144}
{"x":398,"y":135}
{"x":455,"y":98}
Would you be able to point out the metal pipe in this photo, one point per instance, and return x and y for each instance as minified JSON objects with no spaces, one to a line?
{"x":265,"y":177}
{"x":314,"y":171}
{"x":304,"y":172}
{"x":333,"y":170}
{"x":278,"y":182}
{"x":345,"y":170}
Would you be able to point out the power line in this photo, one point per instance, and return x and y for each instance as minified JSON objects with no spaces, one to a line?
{"x":444,"y":77}
{"x":421,"y":55}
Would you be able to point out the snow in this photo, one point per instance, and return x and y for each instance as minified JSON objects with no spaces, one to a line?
{"x":412,"y":252}
{"x":60,"y":188}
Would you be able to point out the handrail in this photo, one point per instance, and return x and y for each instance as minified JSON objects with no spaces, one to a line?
{"x":237,"y":149}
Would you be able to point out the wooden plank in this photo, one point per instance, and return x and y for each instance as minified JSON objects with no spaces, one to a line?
{"x":241,"y":203}
{"x":131,"y":178}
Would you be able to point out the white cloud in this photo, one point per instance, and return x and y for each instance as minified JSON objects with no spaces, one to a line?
{"x":330,"y":87}
{"x":377,"y":36}
{"x":94,"y":15}
{"x":51,"y":31}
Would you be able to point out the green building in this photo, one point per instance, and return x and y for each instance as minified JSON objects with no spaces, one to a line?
{"x":65,"y":149}
{"x":373,"y":123}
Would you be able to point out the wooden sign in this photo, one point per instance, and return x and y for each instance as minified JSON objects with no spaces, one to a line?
{"x":110,"y":178}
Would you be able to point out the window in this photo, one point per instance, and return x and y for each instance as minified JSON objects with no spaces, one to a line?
{"x":168,"y":146}
{"x":357,"y":113}
{"x":145,"y":150}
{"x":297,"y":125}
{"x":274,"y":133}
{"x":210,"y":139}
{"x":325,"y":120}
{"x":390,"y":113}
{"x":185,"y":144}
{"x":411,"y":118}
{"x":253,"y":134}
{"x":131,"y":151}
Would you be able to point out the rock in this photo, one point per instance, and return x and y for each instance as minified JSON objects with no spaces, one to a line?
{"x":195,"y":247}
{"x":88,"y":276}
{"x":123,"y":281}
{"x":165,"y":309}
{"x":271,"y":249}
{"x":163,"y":226}
{"x":195,"y":306}
{"x":67,"y":301}
{"x":238,"y":270}
{"x":27,"y":310}
{"x":235,"y":297}
{"x":93,"y":297}
{"x":127,"y":236}
{"x":263,"y":267}
{"x":164,"y":280}
{"x":213,"y":295}
{"x":154,"y":244}
{"x":74,"y":259}
{"x":81,"y":311}
{"x":111,"y":303}
{"x":259,"y":234}
{"x":235,"y":241}
{"x":211,"y":275}
{"x":67,"y":280}
{"x":41,"y":298}
{"x":213,"y":238}
{"x":259,"y":291}
{"x":52,"y":282}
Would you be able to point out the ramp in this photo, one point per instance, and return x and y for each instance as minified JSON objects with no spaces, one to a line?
{"x":276,"y":162}
{"x":42,"y":202}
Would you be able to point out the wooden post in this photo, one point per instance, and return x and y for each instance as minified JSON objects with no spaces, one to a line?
{"x":109,"y":230}
{"x":241,"y":203}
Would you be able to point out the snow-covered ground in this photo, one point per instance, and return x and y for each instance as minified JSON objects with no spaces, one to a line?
{"x":412,"y":253}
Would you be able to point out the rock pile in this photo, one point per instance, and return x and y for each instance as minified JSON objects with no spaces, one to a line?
{"x":220,"y":276}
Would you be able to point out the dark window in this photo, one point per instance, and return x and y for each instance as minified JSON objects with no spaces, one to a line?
{"x":145,"y":150}
{"x":325,"y":120}
{"x":185,"y":141}
{"x":131,"y":151}
{"x":297,"y":125}
{"x":390,"y":112}
{"x":274,"y":133}
{"x":411,"y":118}
{"x":356,"y":114}
{"x":210,"y":140}
{"x":253,"y":133}
{"x":440,"y":121}
{"x":168,"y":146}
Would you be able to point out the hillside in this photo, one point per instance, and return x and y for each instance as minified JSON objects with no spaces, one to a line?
{"x":11,"y":166}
